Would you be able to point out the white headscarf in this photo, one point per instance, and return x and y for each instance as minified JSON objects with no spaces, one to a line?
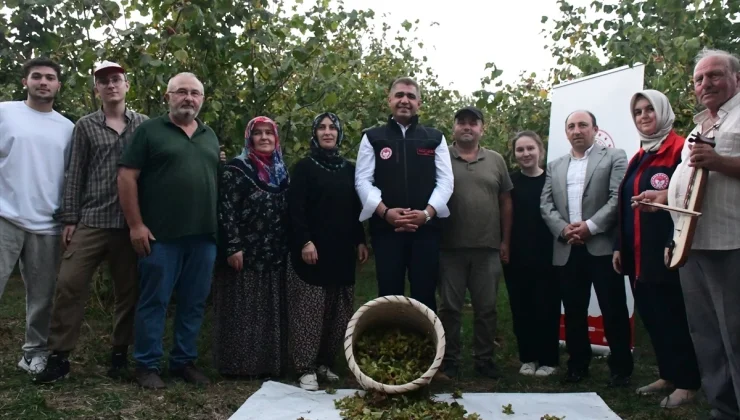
{"x":664,"y":117}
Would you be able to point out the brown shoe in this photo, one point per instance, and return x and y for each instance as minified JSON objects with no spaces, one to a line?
{"x":190,"y":374}
{"x":149,"y":379}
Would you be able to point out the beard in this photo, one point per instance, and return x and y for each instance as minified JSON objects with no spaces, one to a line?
{"x":465,"y":139}
{"x":186,"y":114}
{"x":37,"y":97}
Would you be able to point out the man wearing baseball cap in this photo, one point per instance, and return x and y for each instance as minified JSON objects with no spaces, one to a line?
{"x":475,"y":241}
{"x":94,"y":227}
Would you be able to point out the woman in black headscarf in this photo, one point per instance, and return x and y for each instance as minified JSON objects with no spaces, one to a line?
{"x":324,"y":212}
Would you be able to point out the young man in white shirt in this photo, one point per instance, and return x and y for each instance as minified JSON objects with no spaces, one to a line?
{"x":34,"y":152}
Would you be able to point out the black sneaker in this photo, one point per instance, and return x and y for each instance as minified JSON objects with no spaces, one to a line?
{"x":618,"y":381}
{"x":487,"y":368}
{"x":118,"y":365}
{"x":574,"y":376}
{"x":57,"y":367}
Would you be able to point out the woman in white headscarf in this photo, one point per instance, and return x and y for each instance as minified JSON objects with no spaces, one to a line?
{"x":638,"y":252}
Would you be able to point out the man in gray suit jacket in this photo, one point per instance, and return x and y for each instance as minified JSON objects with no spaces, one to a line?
{"x":579,"y":205}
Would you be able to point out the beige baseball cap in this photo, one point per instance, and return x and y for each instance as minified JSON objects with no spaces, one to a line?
{"x":108,"y":67}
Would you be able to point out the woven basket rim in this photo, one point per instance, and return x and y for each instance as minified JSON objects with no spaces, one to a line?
{"x":365,"y":381}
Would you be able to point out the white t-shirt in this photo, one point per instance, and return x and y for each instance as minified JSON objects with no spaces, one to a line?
{"x":34,"y":154}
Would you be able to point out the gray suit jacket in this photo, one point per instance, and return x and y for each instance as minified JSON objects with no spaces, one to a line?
{"x":604,"y":173}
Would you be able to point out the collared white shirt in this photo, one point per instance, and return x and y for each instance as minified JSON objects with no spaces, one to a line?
{"x":718,"y":228}
{"x":575,"y":184}
{"x":371,"y":196}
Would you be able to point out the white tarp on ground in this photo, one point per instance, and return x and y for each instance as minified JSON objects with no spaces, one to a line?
{"x":278,"y":401}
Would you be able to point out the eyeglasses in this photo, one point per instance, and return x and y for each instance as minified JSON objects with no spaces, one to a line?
{"x":184,"y":92}
{"x":114,"y":81}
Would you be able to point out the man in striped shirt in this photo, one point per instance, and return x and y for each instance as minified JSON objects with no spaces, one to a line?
{"x":94,"y":227}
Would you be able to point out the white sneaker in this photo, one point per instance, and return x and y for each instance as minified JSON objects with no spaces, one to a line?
{"x":528,"y":369}
{"x":309,"y":382}
{"x":327,"y":374}
{"x":545,"y":371}
{"x":33,"y":366}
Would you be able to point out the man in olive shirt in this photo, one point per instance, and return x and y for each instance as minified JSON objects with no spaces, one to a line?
{"x":475,"y":239}
{"x":168,"y":186}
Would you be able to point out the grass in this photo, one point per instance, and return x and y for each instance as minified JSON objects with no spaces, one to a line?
{"x":88,"y":394}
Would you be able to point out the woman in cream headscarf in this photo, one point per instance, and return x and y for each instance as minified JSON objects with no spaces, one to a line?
{"x":640,"y":244}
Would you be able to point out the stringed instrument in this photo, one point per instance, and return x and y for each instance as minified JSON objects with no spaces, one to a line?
{"x":677,"y":251}
{"x":684,"y":226}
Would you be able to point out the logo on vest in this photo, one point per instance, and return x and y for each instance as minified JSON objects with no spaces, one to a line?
{"x":425,"y":152}
{"x":386,"y":153}
{"x":604,"y":139}
{"x":660,"y":181}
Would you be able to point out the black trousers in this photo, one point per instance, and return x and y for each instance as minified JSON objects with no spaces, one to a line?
{"x":662,"y":310}
{"x":576,"y":277}
{"x":534,"y":297}
{"x":417,"y":252}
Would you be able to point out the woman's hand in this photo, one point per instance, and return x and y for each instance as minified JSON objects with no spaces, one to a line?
{"x":236,"y":261}
{"x":362,"y":253}
{"x":650,"y":196}
{"x":617,"y":262}
{"x":309,"y":254}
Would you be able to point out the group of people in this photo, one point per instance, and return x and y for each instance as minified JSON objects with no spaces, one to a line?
{"x":157,"y":200}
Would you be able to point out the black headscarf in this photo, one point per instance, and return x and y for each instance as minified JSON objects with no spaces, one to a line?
{"x":327,"y":158}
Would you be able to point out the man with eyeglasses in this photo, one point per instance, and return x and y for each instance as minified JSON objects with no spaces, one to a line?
{"x":94,"y":227}
{"x":167,"y":184}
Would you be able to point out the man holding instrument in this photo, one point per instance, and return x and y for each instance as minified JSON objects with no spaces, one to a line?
{"x":709,"y":278}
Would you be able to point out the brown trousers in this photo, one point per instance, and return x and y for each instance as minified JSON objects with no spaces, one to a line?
{"x":477,"y":270}
{"x":88,"y":248}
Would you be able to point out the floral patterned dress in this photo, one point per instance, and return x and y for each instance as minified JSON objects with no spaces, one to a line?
{"x":249,"y":305}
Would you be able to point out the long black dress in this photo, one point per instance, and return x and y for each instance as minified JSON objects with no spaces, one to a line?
{"x":530,"y":277}
{"x":324,"y":209}
{"x":250,"y":304}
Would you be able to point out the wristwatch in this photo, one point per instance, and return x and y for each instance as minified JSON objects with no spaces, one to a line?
{"x":426,"y":213}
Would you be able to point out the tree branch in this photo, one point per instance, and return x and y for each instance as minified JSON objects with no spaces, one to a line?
{"x":92,"y":70}
{"x":110,"y":20}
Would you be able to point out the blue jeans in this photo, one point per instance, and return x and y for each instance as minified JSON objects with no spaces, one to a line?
{"x":183,"y":266}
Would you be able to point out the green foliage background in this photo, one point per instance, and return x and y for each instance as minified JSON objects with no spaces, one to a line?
{"x":261,"y":57}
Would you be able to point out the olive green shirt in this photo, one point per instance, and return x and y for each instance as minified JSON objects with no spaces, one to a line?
{"x":475,"y":216}
{"x":178,"y":180}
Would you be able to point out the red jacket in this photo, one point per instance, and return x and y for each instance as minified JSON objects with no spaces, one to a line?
{"x":643,"y":259}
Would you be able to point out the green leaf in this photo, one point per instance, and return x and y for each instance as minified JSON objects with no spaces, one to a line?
{"x":181,"y":55}
{"x":544,"y":19}
{"x":407,"y":25}
{"x":281,"y":120}
{"x":179,"y":40}
{"x":693,"y":44}
{"x":155,"y":63}
{"x":331,"y":99}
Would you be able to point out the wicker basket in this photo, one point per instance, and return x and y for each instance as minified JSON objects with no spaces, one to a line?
{"x":394,"y":311}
